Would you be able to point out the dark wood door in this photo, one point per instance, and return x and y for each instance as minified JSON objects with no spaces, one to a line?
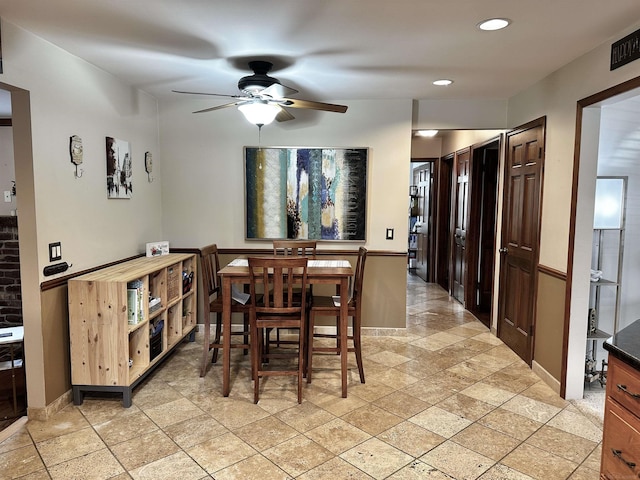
{"x":481,"y":232}
{"x":443,"y":221}
{"x":520,"y":236}
{"x":462,"y":165}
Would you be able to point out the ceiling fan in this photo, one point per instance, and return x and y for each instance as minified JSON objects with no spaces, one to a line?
{"x":264,"y":98}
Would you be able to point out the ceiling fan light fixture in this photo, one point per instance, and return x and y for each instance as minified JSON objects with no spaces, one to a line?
{"x":492,"y":24}
{"x":259,"y":112}
{"x":443,"y":82}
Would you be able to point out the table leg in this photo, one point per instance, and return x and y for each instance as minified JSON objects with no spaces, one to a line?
{"x":226,"y":334}
{"x":344,"y":318}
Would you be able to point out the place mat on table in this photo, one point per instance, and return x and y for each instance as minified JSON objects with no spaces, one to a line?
{"x":243,"y":262}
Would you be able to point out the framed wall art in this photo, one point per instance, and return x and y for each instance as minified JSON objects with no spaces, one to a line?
{"x":306,"y":193}
{"x":119,"y":169}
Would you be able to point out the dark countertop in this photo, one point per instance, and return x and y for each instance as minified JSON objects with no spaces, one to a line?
{"x":625,"y":345}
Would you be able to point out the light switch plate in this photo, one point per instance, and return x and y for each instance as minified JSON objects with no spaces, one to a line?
{"x":7,"y":196}
{"x":55,"y":252}
{"x":389,"y":233}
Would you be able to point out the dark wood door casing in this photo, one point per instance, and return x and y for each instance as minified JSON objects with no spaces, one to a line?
{"x":443,"y":221}
{"x":521,"y":236}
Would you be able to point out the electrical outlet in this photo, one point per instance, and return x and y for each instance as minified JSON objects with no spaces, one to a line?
{"x":7,"y":196}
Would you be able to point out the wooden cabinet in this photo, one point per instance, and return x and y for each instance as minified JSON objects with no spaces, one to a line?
{"x":621,"y":433}
{"x":125,"y":319}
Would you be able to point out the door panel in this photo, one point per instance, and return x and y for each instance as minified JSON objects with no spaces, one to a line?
{"x":462,"y":163}
{"x":521,"y":233}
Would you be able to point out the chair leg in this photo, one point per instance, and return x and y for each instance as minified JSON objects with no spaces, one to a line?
{"x":256,"y":349}
{"x":301,"y":362}
{"x":246,"y":332}
{"x":219,"y":333}
{"x":310,"y":346}
{"x":205,"y":348}
{"x":357,"y":346}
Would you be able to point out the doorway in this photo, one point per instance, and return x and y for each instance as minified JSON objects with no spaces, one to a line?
{"x":606,"y":144}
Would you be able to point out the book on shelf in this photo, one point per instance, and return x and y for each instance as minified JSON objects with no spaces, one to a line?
{"x":135,"y":304}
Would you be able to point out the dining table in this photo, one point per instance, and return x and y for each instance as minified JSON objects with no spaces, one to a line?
{"x":336,"y":272}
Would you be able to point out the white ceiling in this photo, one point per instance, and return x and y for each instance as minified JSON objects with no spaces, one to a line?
{"x":329,"y":50}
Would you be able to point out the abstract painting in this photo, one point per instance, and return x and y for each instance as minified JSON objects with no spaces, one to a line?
{"x":306,"y":193}
{"x":119,"y":169}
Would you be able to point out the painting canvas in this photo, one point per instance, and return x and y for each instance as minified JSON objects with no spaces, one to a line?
{"x":306,"y":193}
{"x":119,"y":169}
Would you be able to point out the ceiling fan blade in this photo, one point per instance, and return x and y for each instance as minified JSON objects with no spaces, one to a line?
{"x":212,"y":94}
{"x":277,"y":90}
{"x":329,"y":107}
{"x":284,"y":115}
{"x":218,"y":107}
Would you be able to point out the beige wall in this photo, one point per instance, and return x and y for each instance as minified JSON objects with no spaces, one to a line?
{"x":56,"y":95}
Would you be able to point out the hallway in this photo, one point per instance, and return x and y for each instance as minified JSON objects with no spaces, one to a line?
{"x":446,"y":401}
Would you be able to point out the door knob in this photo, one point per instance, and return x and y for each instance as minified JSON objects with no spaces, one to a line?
{"x":503,"y":250}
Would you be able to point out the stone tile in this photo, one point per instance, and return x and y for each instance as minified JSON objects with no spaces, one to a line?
{"x":510,"y":423}
{"x":298,"y":455}
{"x":440,"y":421}
{"x":266,"y":433}
{"x":538,"y":463}
{"x":220,"y":452}
{"x":372,"y":419}
{"x":530,"y":408}
{"x":194,"y":430}
{"x":465,"y":406}
{"x":593,"y":460}
{"x":20,"y":461}
{"x":96,"y":465}
{"x":234,"y":414}
{"x":411,"y":438}
{"x":370,"y":391}
{"x":471,"y":370}
{"x":178,"y":465}
{"x":172,"y":412}
{"x":584,"y":473}
{"x":305,"y":416}
{"x":577,"y":424}
{"x":486,"y":441}
{"x":542,"y":392}
{"x":418,"y":470}
{"x":457,"y":461}
{"x":337,"y":436}
{"x":71,"y":445}
{"x":125,"y":427}
{"x":333,"y":402}
{"x":487,"y":393}
{"x":256,"y":467}
{"x":66,"y":421}
{"x":336,"y":468}
{"x":44,"y":475}
{"x":157,"y":445}
{"x":100,"y":410}
{"x":387,"y":358}
{"x":561,"y":443}
{"x":376,"y":458}
{"x":19,"y":439}
{"x":394,"y":378}
{"x":502,"y":472}
{"x":401,"y":404}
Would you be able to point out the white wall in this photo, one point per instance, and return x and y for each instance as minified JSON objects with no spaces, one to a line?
{"x":7,"y":170}
{"x":203,"y":182}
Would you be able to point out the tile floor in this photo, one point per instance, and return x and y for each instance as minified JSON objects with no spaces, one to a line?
{"x":446,"y":401}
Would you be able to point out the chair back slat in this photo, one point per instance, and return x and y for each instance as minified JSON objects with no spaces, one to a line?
{"x":210,"y":266}
{"x":280,"y":277}
{"x":295,"y":248}
{"x":359,"y":275}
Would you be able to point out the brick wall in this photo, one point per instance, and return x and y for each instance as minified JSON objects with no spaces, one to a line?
{"x":10,"y":294}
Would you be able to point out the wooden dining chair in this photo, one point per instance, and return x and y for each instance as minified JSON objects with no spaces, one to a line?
{"x":326,"y":306}
{"x":277,"y":308}
{"x":295,"y":248}
{"x":212,"y":296}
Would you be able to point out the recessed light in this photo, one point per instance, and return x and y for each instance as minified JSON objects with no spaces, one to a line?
{"x":494,"y":24}
{"x":426,"y":133}
{"x":443,"y":82}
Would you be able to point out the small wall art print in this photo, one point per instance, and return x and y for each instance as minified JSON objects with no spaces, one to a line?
{"x":306,"y":193}
{"x":119,"y":169}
